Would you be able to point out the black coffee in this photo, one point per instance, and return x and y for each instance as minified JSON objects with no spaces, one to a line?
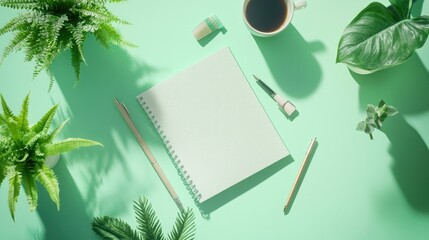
{"x":266,"y":15}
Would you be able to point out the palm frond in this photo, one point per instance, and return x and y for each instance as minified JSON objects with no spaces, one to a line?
{"x":113,"y":228}
{"x":148,"y":224}
{"x":19,"y":4}
{"x":47,"y":178}
{"x":184,"y":228}
{"x":14,"y":187}
{"x":68,"y":145}
{"x":45,"y":122}
{"x":29,"y":184}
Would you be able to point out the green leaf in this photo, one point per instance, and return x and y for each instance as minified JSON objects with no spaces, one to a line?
{"x":376,"y":39}
{"x":68,"y":145}
{"x":184,"y":228}
{"x":47,"y":178}
{"x":401,"y":8}
{"x":14,"y":187}
{"x":381,"y":104}
{"x":29,"y":184}
{"x":113,"y":228}
{"x":391,"y":111}
{"x":361,"y":126}
{"x":148,"y":224}
{"x":370,"y":110}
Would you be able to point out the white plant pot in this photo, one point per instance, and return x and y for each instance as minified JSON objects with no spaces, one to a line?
{"x":51,"y":161}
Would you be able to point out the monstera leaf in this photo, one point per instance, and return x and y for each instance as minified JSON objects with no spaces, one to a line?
{"x":381,"y":37}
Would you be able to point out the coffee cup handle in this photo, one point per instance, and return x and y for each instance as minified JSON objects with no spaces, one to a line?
{"x":299,"y":4}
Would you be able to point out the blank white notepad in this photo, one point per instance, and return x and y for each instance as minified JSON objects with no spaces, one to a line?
{"x":213,"y":126}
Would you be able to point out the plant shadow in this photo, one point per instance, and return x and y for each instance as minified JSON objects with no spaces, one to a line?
{"x":72,"y":221}
{"x":404,"y":87}
{"x":416,"y":10}
{"x":110,"y":73}
{"x":291,"y":61}
{"x":411,"y":162}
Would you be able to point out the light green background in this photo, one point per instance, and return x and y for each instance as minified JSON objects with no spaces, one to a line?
{"x":354,"y":188}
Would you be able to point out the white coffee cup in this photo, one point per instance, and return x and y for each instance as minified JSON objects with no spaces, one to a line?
{"x":266,"y":18}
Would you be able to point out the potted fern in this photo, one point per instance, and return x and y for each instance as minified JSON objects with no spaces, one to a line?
{"x":23,"y":150}
{"x":48,"y":27}
{"x":149,"y":227}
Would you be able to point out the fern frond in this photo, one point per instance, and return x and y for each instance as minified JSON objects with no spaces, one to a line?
{"x":184,"y":228}
{"x":56,"y":131}
{"x":68,"y":145}
{"x":19,"y":4}
{"x":101,"y":15}
{"x":148,"y":224}
{"x":45,"y":122}
{"x":113,"y":228}
{"x":14,"y":24}
{"x":47,"y":178}
{"x":75,"y":61}
{"x":16,"y":44}
{"x":6,"y":110}
{"x":23,"y":116}
{"x":29,"y":184}
{"x":107,"y":34}
{"x":13,"y":193}
{"x":78,"y":38}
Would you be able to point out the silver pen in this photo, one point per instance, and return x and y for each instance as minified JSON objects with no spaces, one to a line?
{"x":285,"y":105}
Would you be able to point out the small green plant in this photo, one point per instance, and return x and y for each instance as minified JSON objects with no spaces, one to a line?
{"x":149,"y":227}
{"x":51,"y":26}
{"x":376,"y":117}
{"x":380,"y":37}
{"x":23,"y":150}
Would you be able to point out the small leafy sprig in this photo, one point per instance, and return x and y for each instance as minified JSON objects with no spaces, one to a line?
{"x":48,"y":27}
{"x":376,"y":117}
{"x":149,"y":227}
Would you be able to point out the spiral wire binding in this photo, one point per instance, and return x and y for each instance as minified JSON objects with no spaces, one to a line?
{"x":190,"y":185}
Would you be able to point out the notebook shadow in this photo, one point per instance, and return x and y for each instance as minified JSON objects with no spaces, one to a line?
{"x":291,"y":61}
{"x":93,"y":115}
{"x":229,"y":194}
{"x":411,"y":162}
{"x":72,"y":221}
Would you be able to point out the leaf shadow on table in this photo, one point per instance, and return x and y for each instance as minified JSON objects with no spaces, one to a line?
{"x":404,"y":87}
{"x":233,"y":192}
{"x":93,"y":115}
{"x":72,"y":221}
{"x":291,"y":61}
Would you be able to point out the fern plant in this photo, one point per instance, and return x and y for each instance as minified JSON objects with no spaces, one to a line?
{"x":51,"y":26}
{"x":149,"y":227}
{"x":23,"y":150}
